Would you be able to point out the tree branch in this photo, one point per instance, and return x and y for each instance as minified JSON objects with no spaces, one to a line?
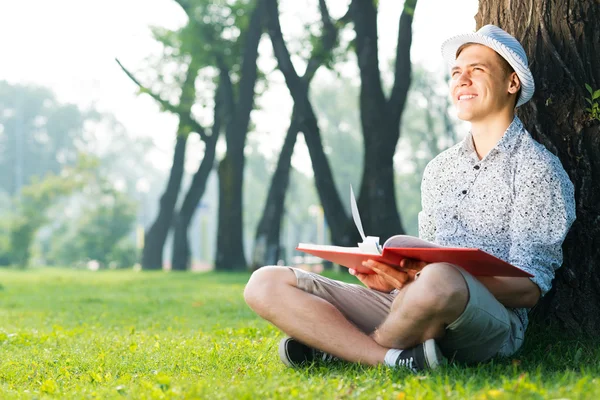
{"x":196,"y":127}
{"x":402,"y":69}
{"x":164,"y":103}
{"x":280,"y":49}
{"x":364,"y":15}
{"x":248,"y":71}
{"x":329,"y":39}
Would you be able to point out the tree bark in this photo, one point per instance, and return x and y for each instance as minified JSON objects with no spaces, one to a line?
{"x":562,"y":40}
{"x":380,"y":119}
{"x":155,"y":237}
{"x":267,"y":247}
{"x":230,"y":243}
{"x":181,"y":249}
{"x":332,"y":206}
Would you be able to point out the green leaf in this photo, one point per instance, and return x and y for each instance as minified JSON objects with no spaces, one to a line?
{"x":589,"y":88}
{"x":589,"y":101}
{"x":596,"y":94}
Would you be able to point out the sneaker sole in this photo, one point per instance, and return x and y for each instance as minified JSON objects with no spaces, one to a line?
{"x":283,"y":354}
{"x":433,"y":354}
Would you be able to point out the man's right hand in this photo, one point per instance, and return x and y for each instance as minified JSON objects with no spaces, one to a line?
{"x":385,"y":279}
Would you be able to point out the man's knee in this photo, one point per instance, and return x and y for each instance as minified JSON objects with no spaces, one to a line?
{"x":261,"y":290}
{"x":440,"y":289}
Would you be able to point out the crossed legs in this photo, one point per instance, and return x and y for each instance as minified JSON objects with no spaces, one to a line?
{"x":420,"y":311}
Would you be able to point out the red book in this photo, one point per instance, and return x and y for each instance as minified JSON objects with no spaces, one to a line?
{"x":475,"y":261}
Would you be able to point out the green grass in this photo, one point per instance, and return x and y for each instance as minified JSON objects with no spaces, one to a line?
{"x":122,"y":334}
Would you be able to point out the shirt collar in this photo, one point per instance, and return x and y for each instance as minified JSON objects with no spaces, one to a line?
{"x":505,"y":144}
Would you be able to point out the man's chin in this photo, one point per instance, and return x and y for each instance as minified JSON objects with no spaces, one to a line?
{"x":465,"y":116}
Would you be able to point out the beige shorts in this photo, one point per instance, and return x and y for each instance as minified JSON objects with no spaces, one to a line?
{"x":485,"y":329}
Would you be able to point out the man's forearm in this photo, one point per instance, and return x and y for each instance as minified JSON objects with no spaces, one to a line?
{"x":512,"y":292}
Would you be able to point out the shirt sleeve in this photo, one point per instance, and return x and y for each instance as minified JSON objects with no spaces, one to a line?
{"x":544,"y":210}
{"x":426,"y":215}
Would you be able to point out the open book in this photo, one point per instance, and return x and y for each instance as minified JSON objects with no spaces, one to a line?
{"x":475,"y":261}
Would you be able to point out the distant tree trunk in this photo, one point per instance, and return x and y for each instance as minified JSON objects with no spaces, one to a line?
{"x":267,"y":244}
{"x":562,"y":41}
{"x":380,"y":118}
{"x":230,"y":243}
{"x":332,"y":206}
{"x":181,"y":248}
{"x":181,"y":256}
{"x":155,"y":237}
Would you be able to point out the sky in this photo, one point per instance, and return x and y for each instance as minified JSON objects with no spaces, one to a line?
{"x":70,"y":46}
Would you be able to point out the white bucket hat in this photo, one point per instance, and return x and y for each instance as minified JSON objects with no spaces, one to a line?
{"x":502,"y":43}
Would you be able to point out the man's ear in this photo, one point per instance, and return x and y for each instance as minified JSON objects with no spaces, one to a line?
{"x":514,"y":83}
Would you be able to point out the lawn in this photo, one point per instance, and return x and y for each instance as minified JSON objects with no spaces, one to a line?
{"x":126,"y":334}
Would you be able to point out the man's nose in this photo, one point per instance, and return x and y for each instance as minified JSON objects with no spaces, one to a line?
{"x":464,"y":79}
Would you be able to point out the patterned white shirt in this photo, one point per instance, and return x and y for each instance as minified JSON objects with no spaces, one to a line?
{"x":517,"y":203}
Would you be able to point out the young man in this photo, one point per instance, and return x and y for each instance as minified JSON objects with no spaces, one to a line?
{"x":497,"y":190}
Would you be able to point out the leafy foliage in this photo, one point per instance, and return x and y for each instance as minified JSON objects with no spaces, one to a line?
{"x":38,"y":135}
{"x":36,"y":200}
{"x":594,"y":108}
{"x":99,"y":230}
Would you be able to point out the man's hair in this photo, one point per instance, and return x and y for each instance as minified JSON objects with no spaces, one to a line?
{"x":506,"y":67}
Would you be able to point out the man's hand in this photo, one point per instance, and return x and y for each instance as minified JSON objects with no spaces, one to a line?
{"x":387,"y":278}
{"x":412,"y":267}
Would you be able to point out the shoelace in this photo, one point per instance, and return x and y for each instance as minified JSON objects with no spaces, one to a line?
{"x":406,"y":362}
{"x":326,"y":356}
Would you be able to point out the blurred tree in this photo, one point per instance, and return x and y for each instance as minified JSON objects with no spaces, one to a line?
{"x":267,"y":241}
{"x":36,"y":199}
{"x":214,"y":33}
{"x":181,"y":255}
{"x":380,"y":118}
{"x":38,"y":135}
{"x":98,"y":230}
{"x":562,"y":41}
{"x":181,"y":50}
{"x":230,"y":243}
{"x":156,"y":235}
{"x":224,"y":37}
{"x":298,"y":87}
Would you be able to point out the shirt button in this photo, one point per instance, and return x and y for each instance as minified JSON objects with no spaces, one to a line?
{"x":464,"y":192}
{"x":477,"y":167}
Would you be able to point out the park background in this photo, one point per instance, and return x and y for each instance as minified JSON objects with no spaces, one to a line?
{"x":138,"y":138}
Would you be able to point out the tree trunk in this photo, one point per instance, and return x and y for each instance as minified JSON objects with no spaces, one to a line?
{"x":267,"y":244}
{"x":332,"y":206}
{"x":155,"y":237}
{"x":181,"y":248}
{"x":380,"y":118}
{"x":562,"y":41}
{"x":230,"y":243}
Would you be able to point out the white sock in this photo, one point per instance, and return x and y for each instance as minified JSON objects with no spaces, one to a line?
{"x":391,"y":356}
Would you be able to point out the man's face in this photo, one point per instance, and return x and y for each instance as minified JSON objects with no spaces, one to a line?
{"x":480,"y":85}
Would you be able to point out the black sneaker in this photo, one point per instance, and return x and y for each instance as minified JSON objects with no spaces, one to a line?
{"x":295,"y":354}
{"x":424,"y":356}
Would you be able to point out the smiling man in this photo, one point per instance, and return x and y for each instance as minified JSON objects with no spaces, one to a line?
{"x":497,"y":190}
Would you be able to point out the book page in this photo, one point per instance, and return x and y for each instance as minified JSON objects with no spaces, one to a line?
{"x":339,"y":249}
{"x":410,"y":242}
